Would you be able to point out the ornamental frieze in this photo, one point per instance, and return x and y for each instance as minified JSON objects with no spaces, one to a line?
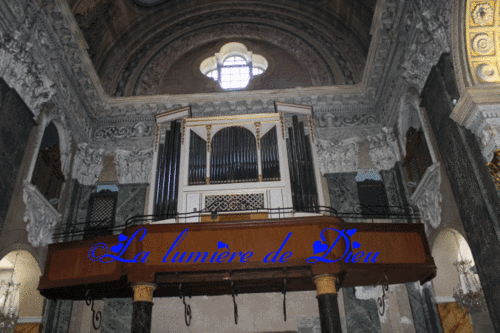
{"x":482,"y":40}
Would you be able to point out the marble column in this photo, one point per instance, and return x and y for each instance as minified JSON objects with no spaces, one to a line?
{"x":142,"y":307}
{"x":329,"y":314}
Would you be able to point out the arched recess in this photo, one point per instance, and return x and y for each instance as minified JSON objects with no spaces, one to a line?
{"x":449,"y":247}
{"x":25,"y":270}
{"x":64,"y":142}
{"x":233,"y":156}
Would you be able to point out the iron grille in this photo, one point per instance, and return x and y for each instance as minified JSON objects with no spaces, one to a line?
{"x":234,"y":202}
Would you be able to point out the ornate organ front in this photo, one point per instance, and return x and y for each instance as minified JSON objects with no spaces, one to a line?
{"x":243,"y":167}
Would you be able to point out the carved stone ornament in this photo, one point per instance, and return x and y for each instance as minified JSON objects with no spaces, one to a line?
{"x":384,"y":149}
{"x":21,"y":72}
{"x":121,"y":132}
{"x":482,"y":50}
{"x":482,"y":14}
{"x":40,"y":215}
{"x":133,"y":167}
{"x":483,"y":43}
{"x":87,"y":165}
{"x":341,"y":156}
{"x":427,"y":197}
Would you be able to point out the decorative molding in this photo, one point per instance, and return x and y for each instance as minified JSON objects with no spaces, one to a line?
{"x":482,"y":119}
{"x":429,"y":41}
{"x":427,"y":196}
{"x":481,"y":30}
{"x":87,"y":165}
{"x":23,"y":73}
{"x":40,"y":215}
{"x":384,"y":149}
{"x":133,"y":167}
{"x":336,"y":157}
{"x":138,"y":130}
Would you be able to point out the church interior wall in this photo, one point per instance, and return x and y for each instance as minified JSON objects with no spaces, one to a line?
{"x":357,"y":131}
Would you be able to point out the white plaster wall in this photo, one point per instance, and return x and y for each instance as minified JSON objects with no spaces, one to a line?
{"x":256,"y":313}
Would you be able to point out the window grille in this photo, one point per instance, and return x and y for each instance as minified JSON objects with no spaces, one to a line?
{"x":101,"y":214}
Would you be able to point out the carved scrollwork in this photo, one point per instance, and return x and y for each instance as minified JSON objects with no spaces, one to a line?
{"x":40,"y":215}
{"x":133,"y":167}
{"x":21,"y":72}
{"x":341,"y":156}
{"x":427,"y":197}
{"x":384,"y":149}
{"x":87,"y":165}
{"x":122,"y":132}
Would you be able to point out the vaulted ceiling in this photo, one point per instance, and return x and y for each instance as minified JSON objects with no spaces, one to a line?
{"x":148,"y":47}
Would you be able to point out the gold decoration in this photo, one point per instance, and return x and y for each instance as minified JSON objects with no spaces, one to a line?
{"x":183,"y":129}
{"x":325,"y":284}
{"x":143,"y":292}
{"x":257,"y":130}
{"x":487,"y":72}
{"x":482,"y":14}
{"x":207,"y":180}
{"x":483,"y":44}
{"x":282,"y":125}
{"x":157,"y":136}
{"x":483,"y":47}
{"x":209,"y":128}
{"x":494,"y":166}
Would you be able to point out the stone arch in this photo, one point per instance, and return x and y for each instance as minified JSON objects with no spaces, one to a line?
{"x":45,"y":118}
{"x":26,"y":266}
{"x":449,"y":246}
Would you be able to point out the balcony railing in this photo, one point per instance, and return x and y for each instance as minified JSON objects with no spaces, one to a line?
{"x":359,"y":213}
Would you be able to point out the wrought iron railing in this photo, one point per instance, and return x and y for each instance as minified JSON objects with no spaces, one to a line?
{"x":360,"y":213}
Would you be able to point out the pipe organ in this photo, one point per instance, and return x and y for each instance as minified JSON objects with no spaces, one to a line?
{"x":255,"y":166}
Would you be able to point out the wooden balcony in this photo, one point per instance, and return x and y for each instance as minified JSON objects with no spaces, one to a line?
{"x":207,"y":267}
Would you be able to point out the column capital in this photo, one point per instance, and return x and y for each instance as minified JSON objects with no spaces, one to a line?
{"x":143,"y":291}
{"x":325,"y":284}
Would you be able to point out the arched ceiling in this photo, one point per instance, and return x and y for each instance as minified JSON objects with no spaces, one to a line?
{"x":140,"y":47}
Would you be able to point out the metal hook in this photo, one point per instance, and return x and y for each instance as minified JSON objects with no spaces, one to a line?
{"x":284,"y":298}
{"x":381,"y":300}
{"x":233,"y":293}
{"x":96,"y":315}
{"x":187,"y":307}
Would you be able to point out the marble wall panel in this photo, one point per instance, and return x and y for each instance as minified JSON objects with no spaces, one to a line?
{"x":361,"y":314}
{"x":57,"y":316}
{"x":117,"y":315}
{"x":475,"y":193}
{"x":343,"y":192}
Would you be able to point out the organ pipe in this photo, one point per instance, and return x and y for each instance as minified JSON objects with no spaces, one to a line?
{"x":270,"y":157}
{"x":234,"y":156}
{"x":303,"y":184}
{"x":168,"y":172}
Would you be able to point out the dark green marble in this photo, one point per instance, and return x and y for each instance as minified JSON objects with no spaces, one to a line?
{"x":477,"y":198}
{"x":141,"y":317}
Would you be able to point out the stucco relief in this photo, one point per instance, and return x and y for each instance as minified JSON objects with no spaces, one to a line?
{"x":87,"y":165}
{"x":336,"y":157}
{"x":428,"y":43}
{"x":427,"y":197}
{"x":147,"y":82}
{"x":348,"y":59}
{"x":138,"y":130}
{"x":384,"y":149}
{"x":133,"y":167}
{"x":40,"y":216}
{"x":21,"y":72}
